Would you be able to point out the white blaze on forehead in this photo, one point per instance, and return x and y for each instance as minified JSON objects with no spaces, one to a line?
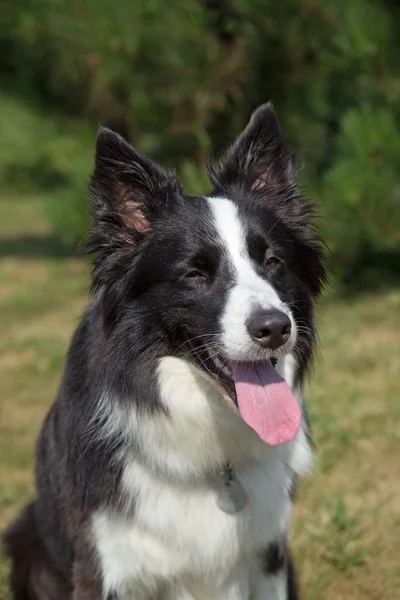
{"x":250,"y":291}
{"x":229,"y":228}
{"x":233,"y":237}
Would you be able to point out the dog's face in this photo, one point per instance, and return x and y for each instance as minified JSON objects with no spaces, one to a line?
{"x":229,"y":276}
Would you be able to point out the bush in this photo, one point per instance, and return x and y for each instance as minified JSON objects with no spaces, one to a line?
{"x":180,"y":79}
{"x":44,"y":154}
{"x":361,"y":190}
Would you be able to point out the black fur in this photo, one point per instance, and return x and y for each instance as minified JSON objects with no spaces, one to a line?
{"x":160,"y":279}
{"x":273,"y":559}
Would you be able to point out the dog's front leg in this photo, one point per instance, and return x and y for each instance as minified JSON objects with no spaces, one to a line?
{"x":278,"y":583}
{"x":271,"y":587}
{"x":237,"y":586}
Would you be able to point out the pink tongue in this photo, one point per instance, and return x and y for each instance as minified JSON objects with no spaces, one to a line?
{"x":266,"y":402}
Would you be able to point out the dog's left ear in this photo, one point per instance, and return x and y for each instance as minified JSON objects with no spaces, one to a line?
{"x":259,"y":158}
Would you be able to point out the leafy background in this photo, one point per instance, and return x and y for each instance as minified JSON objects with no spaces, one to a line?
{"x":179,"y":80}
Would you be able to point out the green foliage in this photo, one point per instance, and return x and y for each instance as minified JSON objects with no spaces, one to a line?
{"x":361,"y":189}
{"x":179,"y":79}
{"x":40,"y":153}
{"x":32,"y":152}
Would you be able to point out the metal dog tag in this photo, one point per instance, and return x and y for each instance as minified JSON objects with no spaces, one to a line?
{"x":231,"y":495}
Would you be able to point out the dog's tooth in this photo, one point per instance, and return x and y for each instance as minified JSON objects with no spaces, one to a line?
{"x":218,"y":364}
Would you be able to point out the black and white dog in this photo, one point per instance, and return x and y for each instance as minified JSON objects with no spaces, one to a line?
{"x":166,"y":466}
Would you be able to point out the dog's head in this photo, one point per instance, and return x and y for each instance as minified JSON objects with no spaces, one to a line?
{"x":222,"y":279}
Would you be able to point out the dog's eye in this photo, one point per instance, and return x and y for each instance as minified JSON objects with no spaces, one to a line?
{"x":195,"y":274}
{"x":272,"y":261}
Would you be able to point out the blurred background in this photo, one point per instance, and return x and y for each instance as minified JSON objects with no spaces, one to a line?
{"x":179,"y":80}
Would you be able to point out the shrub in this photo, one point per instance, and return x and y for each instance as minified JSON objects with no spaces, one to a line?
{"x":361,"y":190}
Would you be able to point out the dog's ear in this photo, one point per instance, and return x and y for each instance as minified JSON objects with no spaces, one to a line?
{"x":259,"y":158}
{"x":129,"y":191}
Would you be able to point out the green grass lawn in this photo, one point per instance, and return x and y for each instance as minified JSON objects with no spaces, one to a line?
{"x":346,"y":534}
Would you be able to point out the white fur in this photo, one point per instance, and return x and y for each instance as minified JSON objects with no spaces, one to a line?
{"x":250,"y":291}
{"x":173,"y":542}
{"x":274,"y":587}
{"x":178,"y":542}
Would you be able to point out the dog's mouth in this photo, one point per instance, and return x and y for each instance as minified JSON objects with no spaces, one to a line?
{"x":264,"y":399}
{"x":221,"y":369}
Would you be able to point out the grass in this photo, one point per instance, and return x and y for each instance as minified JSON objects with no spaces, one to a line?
{"x":346,"y":531}
{"x":347,"y":523}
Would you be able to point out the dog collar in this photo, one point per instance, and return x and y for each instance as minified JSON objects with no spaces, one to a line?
{"x":231,"y":497}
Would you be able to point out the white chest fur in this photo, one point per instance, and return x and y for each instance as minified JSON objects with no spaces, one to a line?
{"x":178,"y":540}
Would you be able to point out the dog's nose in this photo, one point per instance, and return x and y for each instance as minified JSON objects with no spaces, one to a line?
{"x":269,"y":328}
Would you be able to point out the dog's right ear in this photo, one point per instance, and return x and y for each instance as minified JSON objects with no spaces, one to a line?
{"x":130,"y":192}
{"x":259,"y":158}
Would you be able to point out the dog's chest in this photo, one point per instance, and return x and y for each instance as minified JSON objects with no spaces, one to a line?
{"x":180,"y":532}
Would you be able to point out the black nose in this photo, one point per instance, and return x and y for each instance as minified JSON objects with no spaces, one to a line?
{"x":269,"y":328}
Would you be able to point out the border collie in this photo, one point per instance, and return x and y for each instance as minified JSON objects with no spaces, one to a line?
{"x":165,"y":468}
